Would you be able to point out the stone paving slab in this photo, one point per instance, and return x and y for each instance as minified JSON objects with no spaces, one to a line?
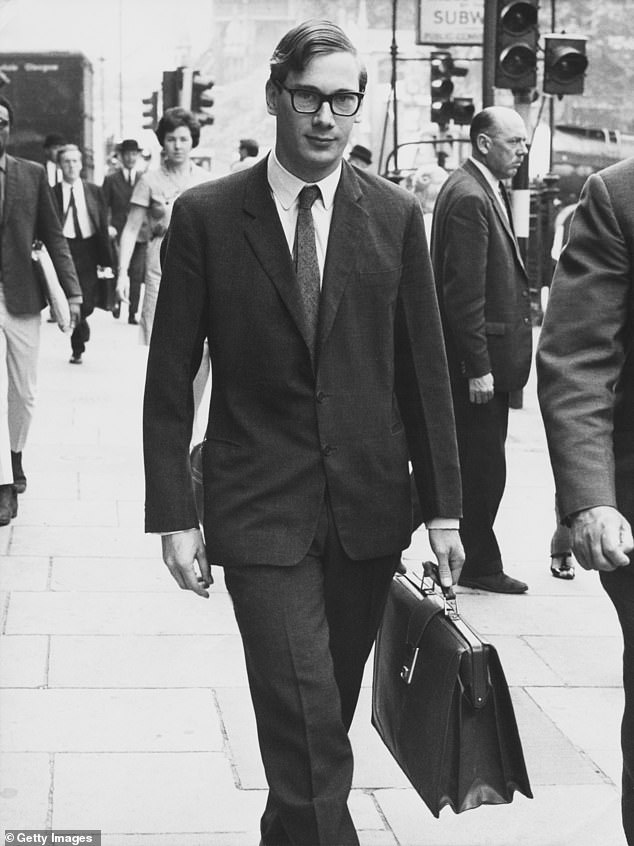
{"x":23,"y":662}
{"x":110,"y":721}
{"x":84,"y":613}
{"x":104,"y":574}
{"x":147,"y":661}
{"x":152,"y":792}
{"x":79,"y":540}
{"x":71,"y":512}
{"x":581,"y":661}
{"x":25,"y":572}
{"x":557,"y":816}
{"x":25,"y":784}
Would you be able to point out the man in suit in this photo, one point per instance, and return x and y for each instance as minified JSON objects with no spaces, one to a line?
{"x":585,"y":367}
{"x":485,"y":306}
{"x":329,"y":375}
{"x":83,"y":214}
{"x":27,"y":214}
{"x":117,"y":189}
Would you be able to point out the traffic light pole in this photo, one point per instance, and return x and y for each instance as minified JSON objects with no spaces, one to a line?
{"x":489,"y":54}
{"x":394,"y":52}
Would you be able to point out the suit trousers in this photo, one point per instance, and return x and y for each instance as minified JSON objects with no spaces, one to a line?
{"x":136,"y":274}
{"x":19,"y":348}
{"x":481,"y":431}
{"x":84,"y":253}
{"x":619,"y":585}
{"x":307,"y":631}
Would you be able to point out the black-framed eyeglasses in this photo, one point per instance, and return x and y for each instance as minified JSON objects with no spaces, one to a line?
{"x":306,"y":101}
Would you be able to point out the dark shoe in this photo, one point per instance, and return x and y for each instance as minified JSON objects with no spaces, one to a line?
{"x":116,"y":310}
{"x":8,"y":504}
{"x":19,"y":479}
{"x":133,"y":321}
{"x":561,"y":566}
{"x":496,"y":583}
{"x":75,"y":358}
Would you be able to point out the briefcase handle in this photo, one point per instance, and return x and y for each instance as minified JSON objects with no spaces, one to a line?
{"x":431,"y":580}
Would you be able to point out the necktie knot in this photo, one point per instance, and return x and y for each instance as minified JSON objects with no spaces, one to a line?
{"x":308,"y":195}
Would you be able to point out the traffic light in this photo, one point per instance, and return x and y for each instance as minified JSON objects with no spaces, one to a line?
{"x":565,"y":64}
{"x":201,"y":99}
{"x":516,"y":44}
{"x":171,"y":88}
{"x":443,"y":68}
{"x":463,"y":110}
{"x":151,"y":112}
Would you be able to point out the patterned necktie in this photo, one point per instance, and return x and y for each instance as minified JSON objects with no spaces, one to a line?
{"x":305,"y":255}
{"x":507,"y":204}
{"x":73,"y":208}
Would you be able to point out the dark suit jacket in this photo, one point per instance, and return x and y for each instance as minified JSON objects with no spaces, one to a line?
{"x":29,"y":215}
{"x":116,"y":193}
{"x":282,"y":431}
{"x":585,"y":357}
{"x":482,"y":283}
{"x":98,"y":216}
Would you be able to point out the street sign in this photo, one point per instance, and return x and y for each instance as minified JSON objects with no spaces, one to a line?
{"x":450,"y":22}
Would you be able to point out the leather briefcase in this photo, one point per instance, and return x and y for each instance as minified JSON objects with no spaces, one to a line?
{"x":441,"y":704}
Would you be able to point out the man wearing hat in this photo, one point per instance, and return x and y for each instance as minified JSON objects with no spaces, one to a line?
{"x":117,"y":190}
{"x":360,"y":156}
{"x":52,"y":145}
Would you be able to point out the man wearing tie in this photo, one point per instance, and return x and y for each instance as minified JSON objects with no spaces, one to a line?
{"x":117,"y":189}
{"x":485,"y":306}
{"x":84,"y":222}
{"x":312,"y":283}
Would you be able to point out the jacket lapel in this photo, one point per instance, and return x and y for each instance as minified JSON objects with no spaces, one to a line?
{"x":344,"y":242}
{"x":477,"y":174}
{"x":10,"y":186}
{"x":264,"y":233}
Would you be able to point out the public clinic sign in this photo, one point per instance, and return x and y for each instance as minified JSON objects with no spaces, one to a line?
{"x":450,"y":21}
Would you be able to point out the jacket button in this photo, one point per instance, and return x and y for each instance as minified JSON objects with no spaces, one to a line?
{"x":526,"y":320}
{"x":321,"y":396}
{"x":328,"y":449}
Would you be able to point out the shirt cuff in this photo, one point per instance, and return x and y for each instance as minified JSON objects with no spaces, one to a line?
{"x":443,"y":523}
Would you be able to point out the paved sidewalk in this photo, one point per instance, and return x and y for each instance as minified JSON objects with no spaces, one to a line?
{"x":124,"y":704}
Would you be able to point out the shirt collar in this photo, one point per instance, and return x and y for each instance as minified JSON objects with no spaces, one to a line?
{"x":3,"y":162}
{"x":493,"y":181}
{"x":286,"y":186}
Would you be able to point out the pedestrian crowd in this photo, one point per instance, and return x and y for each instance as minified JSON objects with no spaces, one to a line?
{"x":366,"y":340}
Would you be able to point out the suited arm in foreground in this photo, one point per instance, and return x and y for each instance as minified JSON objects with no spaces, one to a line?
{"x":580,"y":362}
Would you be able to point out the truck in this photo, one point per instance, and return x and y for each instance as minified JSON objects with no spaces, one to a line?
{"x":50,"y":92}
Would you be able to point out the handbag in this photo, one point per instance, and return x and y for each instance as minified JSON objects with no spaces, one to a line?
{"x":105,"y":297}
{"x":441,"y":704}
{"x":53,"y":292}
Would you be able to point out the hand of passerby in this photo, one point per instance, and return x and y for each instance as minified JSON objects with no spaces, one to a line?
{"x":449,"y":553}
{"x":75,"y":314}
{"x":601,"y":538}
{"x":481,"y":389}
{"x":122,"y":291}
{"x":186,"y":559}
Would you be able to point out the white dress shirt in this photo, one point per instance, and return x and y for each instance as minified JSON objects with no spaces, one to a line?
{"x":85,"y":223}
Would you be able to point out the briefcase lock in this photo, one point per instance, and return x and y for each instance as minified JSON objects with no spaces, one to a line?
{"x":407,"y":670}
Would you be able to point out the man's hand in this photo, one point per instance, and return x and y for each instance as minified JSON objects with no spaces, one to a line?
{"x":75,"y":314}
{"x":180,"y":551}
{"x":481,"y":389}
{"x":122,"y":291}
{"x":449,"y":553}
{"x":601,"y":538}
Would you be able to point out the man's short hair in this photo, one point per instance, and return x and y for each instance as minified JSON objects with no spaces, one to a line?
{"x":484,"y":121}
{"x":307,"y":40}
{"x":252,"y":147}
{"x":67,"y":148}
{"x":7,"y":104}
{"x":175,"y":117}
